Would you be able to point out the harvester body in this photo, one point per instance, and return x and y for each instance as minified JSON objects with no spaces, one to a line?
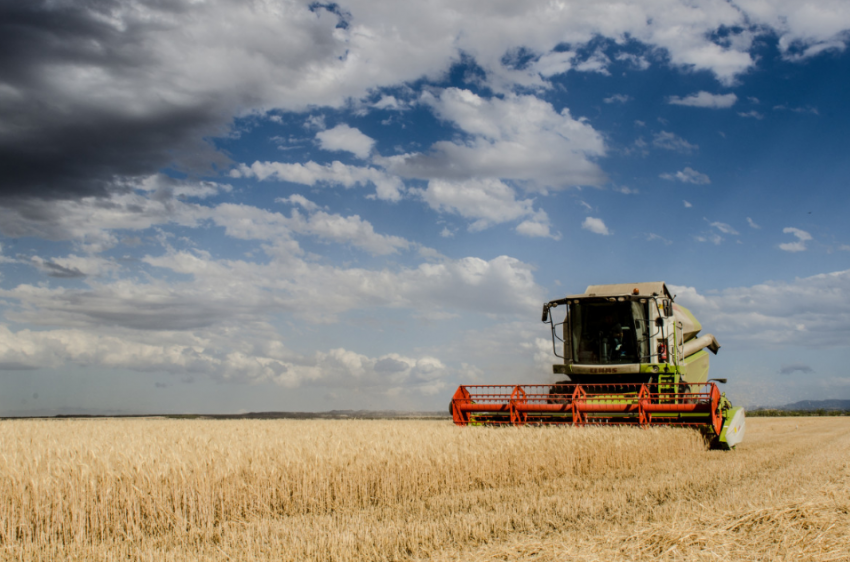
{"x":629,"y":355}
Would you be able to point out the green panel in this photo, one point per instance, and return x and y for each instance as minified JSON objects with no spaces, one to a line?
{"x":696,"y":367}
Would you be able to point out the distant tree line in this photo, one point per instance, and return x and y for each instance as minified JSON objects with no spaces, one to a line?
{"x":772,"y":413}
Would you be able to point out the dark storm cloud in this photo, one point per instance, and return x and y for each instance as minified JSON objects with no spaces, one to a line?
{"x":58,"y":140}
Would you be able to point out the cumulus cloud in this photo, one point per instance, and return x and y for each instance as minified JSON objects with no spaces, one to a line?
{"x":518,"y":137}
{"x":91,"y":222}
{"x":251,"y":223}
{"x":387,"y":187}
{"x":688,"y":175}
{"x":537,"y":227}
{"x":556,"y":62}
{"x":636,"y":61}
{"x":798,"y":246}
{"x":595,"y":225}
{"x":213,"y":354}
{"x":349,"y":139}
{"x":299,"y":200}
{"x":125,"y":89}
{"x":486,"y":202}
{"x":807,"y":312}
{"x":234,"y":292}
{"x":705,"y":99}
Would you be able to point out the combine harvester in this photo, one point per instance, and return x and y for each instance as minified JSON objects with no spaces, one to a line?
{"x":630,"y":356}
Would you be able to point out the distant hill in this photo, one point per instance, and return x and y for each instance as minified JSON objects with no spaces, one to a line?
{"x":817,"y":405}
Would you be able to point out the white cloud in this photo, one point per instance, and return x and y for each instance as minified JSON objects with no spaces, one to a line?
{"x":90,"y":221}
{"x":251,"y":223}
{"x":752,"y":223}
{"x":349,"y":139}
{"x":724,"y":228}
{"x":390,"y":103}
{"x":595,"y":225}
{"x":688,"y":204}
{"x":753,"y":114}
{"x":657,"y":237}
{"x":347,"y":230}
{"x":804,"y":28}
{"x":273,"y":57}
{"x":671,"y":141}
{"x":617,"y":98}
{"x":688,"y":175}
{"x":518,"y":137}
{"x":800,"y":244}
{"x":638,"y":62}
{"x":299,"y":200}
{"x":556,"y":62}
{"x":714,"y":238}
{"x":213,"y":354}
{"x":387,"y":187}
{"x":705,"y":99}
{"x":537,"y":227}
{"x":234,"y":293}
{"x":486,"y":201}
{"x":807,"y":312}
{"x":806,"y":109}
{"x":598,"y":61}
{"x":625,"y":190}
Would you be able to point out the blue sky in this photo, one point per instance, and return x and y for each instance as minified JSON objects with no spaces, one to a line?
{"x":216,"y":207}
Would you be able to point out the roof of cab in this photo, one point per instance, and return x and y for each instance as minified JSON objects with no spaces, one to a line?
{"x":654,"y":287}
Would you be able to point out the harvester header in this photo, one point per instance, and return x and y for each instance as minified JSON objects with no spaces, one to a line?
{"x":629,"y":355}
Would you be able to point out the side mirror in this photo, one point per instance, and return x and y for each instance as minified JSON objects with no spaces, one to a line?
{"x":668,"y":308}
{"x":545,"y":312}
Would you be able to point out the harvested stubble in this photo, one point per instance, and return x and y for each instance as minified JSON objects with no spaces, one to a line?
{"x":394,"y":490}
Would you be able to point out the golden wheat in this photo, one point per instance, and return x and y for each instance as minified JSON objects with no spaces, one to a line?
{"x":395,"y":490}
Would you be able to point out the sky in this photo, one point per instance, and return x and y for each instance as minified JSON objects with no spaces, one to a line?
{"x":227,"y":206}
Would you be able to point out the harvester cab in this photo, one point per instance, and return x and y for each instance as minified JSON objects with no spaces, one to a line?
{"x":629,"y":355}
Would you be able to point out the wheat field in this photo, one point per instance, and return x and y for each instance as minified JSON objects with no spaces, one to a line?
{"x":332,"y":490}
